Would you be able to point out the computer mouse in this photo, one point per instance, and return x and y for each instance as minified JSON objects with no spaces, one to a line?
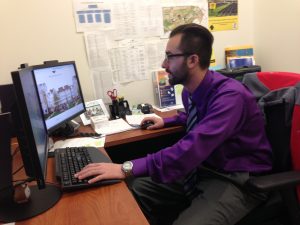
{"x":146,"y":124}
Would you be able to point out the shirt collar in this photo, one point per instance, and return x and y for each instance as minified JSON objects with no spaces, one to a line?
{"x":203,"y":87}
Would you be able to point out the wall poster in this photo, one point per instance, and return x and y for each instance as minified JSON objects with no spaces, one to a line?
{"x":223,"y":15}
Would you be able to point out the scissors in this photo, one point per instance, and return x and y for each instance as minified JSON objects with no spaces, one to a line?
{"x":112,"y":94}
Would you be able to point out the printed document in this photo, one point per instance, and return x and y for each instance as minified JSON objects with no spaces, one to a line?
{"x":114,"y":126}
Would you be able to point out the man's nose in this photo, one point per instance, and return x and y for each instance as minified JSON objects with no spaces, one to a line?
{"x":164,"y":63}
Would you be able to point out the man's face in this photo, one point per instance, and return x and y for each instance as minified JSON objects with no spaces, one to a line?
{"x":175,"y":62}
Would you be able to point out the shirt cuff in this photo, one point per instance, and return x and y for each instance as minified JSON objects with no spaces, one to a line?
{"x":139,"y":167}
{"x":168,"y":121}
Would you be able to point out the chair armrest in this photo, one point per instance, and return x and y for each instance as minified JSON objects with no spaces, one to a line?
{"x":274,"y":181}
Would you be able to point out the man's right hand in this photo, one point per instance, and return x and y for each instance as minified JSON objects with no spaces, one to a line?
{"x":158,"y":122}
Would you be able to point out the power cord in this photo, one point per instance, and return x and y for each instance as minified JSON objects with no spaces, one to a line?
{"x":17,"y":170}
{"x":18,"y":183}
{"x":83,"y":134}
{"x":15,"y":151}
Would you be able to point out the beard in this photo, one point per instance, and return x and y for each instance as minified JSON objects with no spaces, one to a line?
{"x":178,"y":77}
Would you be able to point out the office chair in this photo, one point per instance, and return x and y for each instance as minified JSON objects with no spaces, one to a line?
{"x":278,"y":95}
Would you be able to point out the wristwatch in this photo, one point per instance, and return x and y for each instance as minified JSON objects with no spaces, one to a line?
{"x":127,"y":168}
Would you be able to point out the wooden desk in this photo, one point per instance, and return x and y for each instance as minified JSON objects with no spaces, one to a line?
{"x":138,"y":134}
{"x":138,"y":143}
{"x":134,"y":135}
{"x":108,"y":205}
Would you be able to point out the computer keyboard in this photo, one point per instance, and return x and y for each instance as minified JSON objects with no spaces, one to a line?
{"x":69,"y":161}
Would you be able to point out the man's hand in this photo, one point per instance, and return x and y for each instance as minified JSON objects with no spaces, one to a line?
{"x":158,"y":122}
{"x":101,"y":171}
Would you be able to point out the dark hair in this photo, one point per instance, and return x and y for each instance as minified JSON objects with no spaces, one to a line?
{"x":195,"y":39}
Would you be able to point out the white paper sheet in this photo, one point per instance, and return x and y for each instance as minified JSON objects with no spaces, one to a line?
{"x":114,"y":126}
{"x":78,"y":142}
{"x":92,"y":15}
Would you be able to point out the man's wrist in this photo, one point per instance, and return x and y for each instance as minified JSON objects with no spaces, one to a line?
{"x":127,"y":168}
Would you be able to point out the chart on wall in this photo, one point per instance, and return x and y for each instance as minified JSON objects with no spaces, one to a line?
{"x":223,"y":15}
{"x":125,"y":39}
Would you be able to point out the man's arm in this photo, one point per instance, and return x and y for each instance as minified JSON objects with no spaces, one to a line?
{"x":221,"y":120}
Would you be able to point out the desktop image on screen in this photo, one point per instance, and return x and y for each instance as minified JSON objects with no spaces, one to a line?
{"x":32,"y":137}
{"x":60,"y":93}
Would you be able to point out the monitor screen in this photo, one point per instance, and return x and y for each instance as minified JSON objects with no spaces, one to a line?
{"x":59,"y":91}
{"x":31,"y":132}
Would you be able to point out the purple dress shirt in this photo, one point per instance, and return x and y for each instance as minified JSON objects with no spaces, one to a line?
{"x":229,"y":136}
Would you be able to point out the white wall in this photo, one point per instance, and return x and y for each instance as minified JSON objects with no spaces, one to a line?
{"x":33,"y":31}
{"x":36,"y":30}
{"x":277,"y":35}
{"x":142,"y":91}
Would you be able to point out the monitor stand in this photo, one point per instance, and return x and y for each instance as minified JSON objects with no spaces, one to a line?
{"x":67,"y":129}
{"x":40,"y":201}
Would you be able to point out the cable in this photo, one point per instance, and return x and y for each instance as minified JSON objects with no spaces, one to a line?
{"x":29,"y":179}
{"x":15,"y":151}
{"x":17,"y":170}
{"x":20,"y":182}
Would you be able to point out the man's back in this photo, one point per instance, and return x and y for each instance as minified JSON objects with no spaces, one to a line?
{"x":245,"y":146}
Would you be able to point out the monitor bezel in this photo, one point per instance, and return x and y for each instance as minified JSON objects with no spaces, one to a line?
{"x":57,"y":64}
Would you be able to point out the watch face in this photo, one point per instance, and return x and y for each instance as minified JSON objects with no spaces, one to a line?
{"x":127,"y":166}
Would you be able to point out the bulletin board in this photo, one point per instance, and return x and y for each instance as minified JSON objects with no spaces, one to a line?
{"x":125,"y":39}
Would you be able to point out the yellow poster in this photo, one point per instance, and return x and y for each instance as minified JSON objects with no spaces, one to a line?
{"x":223,"y":15}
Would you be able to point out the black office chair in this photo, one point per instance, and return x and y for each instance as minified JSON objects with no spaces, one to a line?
{"x":282,"y":206}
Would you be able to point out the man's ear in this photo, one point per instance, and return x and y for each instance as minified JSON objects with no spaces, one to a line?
{"x":192,"y":61}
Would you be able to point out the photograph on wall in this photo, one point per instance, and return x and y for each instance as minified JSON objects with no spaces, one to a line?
{"x":176,"y":13}
{"x":223,"y":15}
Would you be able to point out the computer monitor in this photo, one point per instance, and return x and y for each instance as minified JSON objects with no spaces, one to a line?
{"x":33,"y":143}
{"x":59,"y":91}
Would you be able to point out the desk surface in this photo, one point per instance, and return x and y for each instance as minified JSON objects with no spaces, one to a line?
{"x":108,"y":205}
{"x":134,"y":135}
{"x":138,"y":134}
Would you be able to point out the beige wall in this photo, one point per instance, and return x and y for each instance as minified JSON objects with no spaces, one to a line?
{"x":33,"y":31}
{"x":277,"y":34}
{"x":36,"y":30}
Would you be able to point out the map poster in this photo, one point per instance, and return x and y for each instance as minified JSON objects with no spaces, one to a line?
{"x":177,"y":12}
{"x":223,"y":15}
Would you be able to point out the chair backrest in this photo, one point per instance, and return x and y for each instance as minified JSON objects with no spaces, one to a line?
{"x":278,"y":133}
{"x":278,"y":93}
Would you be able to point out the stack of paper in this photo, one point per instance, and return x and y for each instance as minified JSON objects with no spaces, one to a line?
{"x":114,"y":126}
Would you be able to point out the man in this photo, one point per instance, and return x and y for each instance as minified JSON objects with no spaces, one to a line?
{"x":199,"y":180}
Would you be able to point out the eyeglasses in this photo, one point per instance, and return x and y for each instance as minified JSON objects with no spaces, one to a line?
{"x":169,"y":56}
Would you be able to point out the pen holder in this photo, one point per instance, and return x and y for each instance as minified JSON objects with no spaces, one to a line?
{"x":114,"y":110}
{"x":119,"y":109}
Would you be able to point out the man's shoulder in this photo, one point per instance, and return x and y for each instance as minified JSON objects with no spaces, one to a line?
{"x":226,"y":83}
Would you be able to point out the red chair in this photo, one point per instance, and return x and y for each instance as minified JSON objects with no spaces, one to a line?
{"x":278,"y":94}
